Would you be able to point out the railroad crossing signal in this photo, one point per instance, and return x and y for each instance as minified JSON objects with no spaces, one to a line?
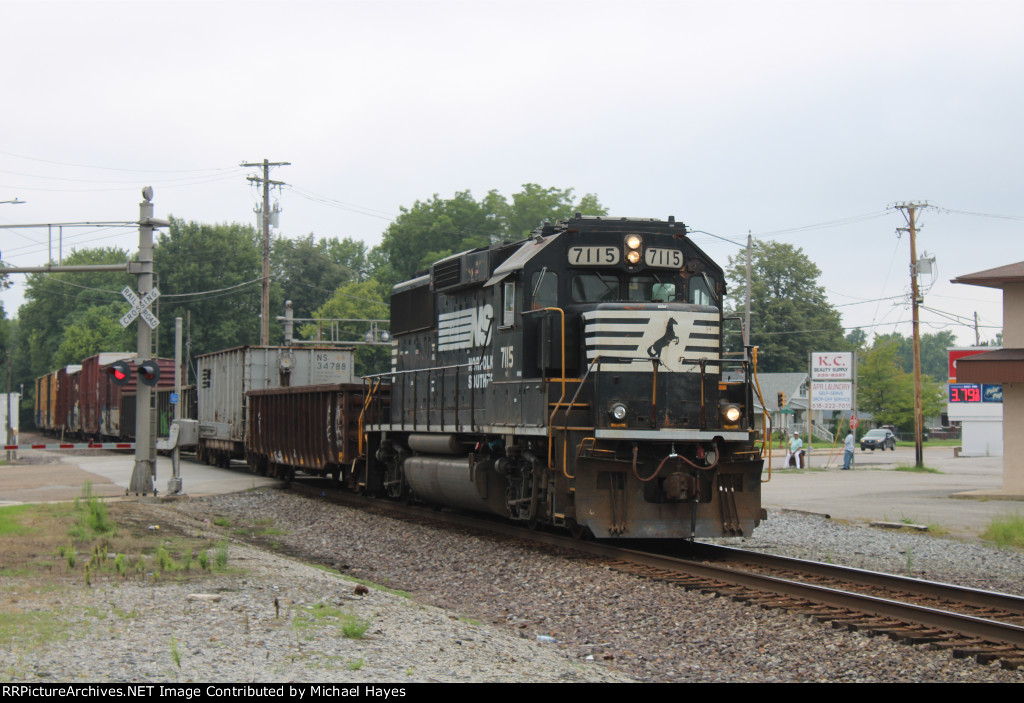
{"x":120,"y":372}
{"x":149,"y":372}
{"x":140,"y":307}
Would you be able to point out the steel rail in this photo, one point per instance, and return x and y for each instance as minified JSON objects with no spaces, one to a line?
{"x":993,"y":631}
{"x":966,"y":595}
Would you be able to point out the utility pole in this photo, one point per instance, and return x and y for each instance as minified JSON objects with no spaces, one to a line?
{"x":746,"y":321}
{"x":910,"y":213}
{"x":265,"y":303}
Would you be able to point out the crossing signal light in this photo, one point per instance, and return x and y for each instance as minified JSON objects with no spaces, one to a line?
{"x":782,"y":399}
{"x":120,"y":372}
{"x":149,"y":372}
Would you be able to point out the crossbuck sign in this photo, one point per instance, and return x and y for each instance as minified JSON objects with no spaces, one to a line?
{"x":140,"y":307}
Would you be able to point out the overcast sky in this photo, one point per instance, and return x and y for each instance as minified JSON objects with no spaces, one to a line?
{"x":797,"y":121}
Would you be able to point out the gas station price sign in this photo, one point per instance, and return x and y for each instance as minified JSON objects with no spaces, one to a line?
{"x":964,"y":393}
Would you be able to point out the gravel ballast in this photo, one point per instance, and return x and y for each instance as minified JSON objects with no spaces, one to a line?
{"x":479,"y":606}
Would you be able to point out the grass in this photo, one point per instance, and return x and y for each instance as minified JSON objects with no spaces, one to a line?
{"x":368,"y":584}
{"x":933,"y":443}
{"x":1006,"y":530}
{"x":9,"y":520}
{"x":50,"y":549}
{"x":918,"y":469}
{"x":350,"y":626}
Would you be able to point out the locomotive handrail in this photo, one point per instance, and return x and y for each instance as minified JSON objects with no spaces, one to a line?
{"x":428,"y":370}
{"x":551,"y":421}
{"x":766,"y":419}
{"x":366,"y":404}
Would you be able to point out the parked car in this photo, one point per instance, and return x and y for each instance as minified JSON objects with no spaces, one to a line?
{"x":878,"y":439}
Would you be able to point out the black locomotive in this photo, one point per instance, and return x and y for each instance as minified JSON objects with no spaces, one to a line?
{"x":574,"y":379}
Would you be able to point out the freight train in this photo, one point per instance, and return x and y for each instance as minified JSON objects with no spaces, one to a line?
{"x":575,"y":379}
{"x":83,"y":401}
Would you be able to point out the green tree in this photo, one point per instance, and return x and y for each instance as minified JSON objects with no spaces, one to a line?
{"x":434,"y":229}
{"x":934,"y":357}
{"x":307,"y":272}
{"x":886,"y":391}
{"x":789,"y":312}
{"x":366,"y":300}
{"x":534,"y":204}
{"x":94,"y":330}
{"x":210,"y":274}
{"x":55,"y":301}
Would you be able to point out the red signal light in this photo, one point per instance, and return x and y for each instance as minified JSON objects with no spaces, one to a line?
{"x":120,"y":372}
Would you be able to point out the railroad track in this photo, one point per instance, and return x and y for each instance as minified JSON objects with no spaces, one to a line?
{"x":968,"y":622}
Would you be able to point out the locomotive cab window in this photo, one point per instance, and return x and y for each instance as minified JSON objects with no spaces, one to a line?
{"x":653,"y":289}
{"x":544,"y":287}
{"x":699,"y":293}
{"x":508,"y":304}
{"x":595,"y":288}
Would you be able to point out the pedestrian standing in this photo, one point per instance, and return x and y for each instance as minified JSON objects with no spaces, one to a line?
{"x":848,"y":450}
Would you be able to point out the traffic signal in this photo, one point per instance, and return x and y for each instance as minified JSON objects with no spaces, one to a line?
{"x":782,"y":399}
{"x":149,"y":372}
{"x":120,"y":372}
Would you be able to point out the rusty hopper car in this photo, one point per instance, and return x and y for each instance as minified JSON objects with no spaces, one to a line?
{"x":312,"y":429}
{"x":575,"y":379}
{"x":225,"y":378}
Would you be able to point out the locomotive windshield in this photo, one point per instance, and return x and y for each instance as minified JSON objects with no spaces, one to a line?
{"x":605,"y":287}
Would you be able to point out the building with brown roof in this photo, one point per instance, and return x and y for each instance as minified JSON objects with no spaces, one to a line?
{"x":1005,"y":366}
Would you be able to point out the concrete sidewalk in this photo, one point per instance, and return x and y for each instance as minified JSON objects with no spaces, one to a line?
{"x":962,"y":499}
{"x":110,"y":475}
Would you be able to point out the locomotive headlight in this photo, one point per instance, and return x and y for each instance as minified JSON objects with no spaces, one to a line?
{"x":618,"y":412}
{"x":633,"y":242}
{"x":731,"y":413}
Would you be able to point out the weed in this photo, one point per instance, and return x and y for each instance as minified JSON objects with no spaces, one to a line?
{"x":353,"y":627}
{"x":355,"y":665}
{"x":220,"y":558}
{"x":164,"y":559}
{"x":1006,"y":530}
{"x":221,"y":521}
{"x":910,"y":560}
{"x":72,"y":556}
{"x":204,"y":560}
{"x":175,"y":652}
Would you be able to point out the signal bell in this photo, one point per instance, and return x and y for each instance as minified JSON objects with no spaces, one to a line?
{"x":149,"y":372}
{"x":120,"y":372}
